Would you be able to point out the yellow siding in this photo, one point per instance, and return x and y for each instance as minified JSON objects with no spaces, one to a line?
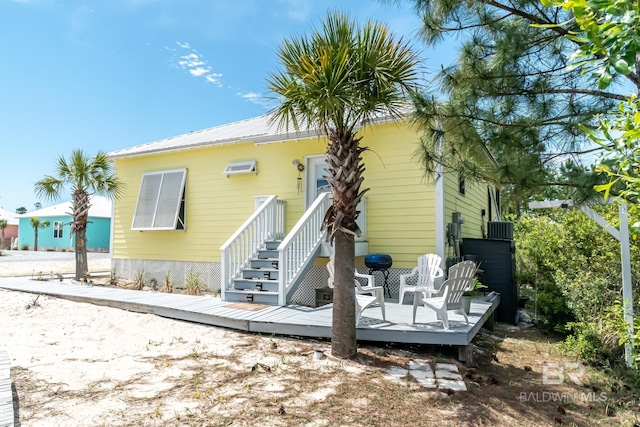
{"x":400,"y":204}
{"x":470,"y":205}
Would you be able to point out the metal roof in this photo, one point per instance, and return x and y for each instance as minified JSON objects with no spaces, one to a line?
{"x":257,"y":130}
{"x":100,"y":208}
{"x":11,"y":217}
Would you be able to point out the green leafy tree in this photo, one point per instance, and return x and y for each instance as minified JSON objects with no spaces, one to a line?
{"x":85,"y":176}
{"x":608,"y":44}
{"x":339,"y":77}
{"x":619,"y":135}
{"x":3,"y":225}
{"x":37,"y":224}
{"x":509,"y":91}
{"x":608,"y":38}
{"x":21,"y":210}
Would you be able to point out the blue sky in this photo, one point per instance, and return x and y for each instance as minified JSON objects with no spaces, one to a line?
{"x":116,"y":73}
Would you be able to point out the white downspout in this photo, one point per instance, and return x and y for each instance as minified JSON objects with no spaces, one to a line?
{"x":439,"y":200}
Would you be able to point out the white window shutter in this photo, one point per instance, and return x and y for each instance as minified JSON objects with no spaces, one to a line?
{"x":169,"y":200}
{"x":159,"y":200}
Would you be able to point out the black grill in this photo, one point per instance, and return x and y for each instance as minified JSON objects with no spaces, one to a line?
{"x":378,"y":261}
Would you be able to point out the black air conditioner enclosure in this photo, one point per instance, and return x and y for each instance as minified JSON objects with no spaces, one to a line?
{"x":500,"y":230}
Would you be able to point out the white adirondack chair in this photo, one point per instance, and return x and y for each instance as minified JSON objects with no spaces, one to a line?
{"x":428,"y":270}
{"x":451,"y":299}
{"x":463,"y":269}
{"x":363,"y":300}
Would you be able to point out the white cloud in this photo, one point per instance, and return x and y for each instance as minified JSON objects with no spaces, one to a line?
{"x":197,"y":72}
{"x":250,"y":96}
{"x":214,"y":78}
{"x":195,"y":64}
{"x":255,"y":98}
{"x":298,"y":10}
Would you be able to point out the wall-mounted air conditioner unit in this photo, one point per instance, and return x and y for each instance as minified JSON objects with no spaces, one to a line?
{"x":235,"y":168}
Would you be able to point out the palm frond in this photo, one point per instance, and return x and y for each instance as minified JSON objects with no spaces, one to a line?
{"x":81,"y":172}
{"x":342,"y":75}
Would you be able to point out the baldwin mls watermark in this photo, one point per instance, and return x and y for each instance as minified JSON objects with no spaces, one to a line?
{"x":559,"y":373}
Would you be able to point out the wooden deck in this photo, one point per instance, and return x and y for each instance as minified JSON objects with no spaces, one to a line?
{"x":289,"y":320}
{"x":6,"y":397}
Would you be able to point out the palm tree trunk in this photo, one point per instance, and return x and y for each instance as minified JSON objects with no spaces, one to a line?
{"x":82,"y":266}
{"x":35,"y":239}
{"x":345,"y":176}
{"x":81,"y":205}
{"x":343,"y":336}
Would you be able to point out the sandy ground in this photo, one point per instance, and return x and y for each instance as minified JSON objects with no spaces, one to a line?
{"x":28,"y":263}
{"x":77,"y":364}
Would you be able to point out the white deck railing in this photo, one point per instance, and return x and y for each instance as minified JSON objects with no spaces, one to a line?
{"x":265,"y":224}
{"x":296,"y":249}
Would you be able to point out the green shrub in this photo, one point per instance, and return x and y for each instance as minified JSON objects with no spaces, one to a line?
{"x":573,"y":267}
{"x":586,"y":343}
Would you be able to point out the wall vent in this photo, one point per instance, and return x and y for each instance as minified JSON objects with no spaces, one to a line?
{"x":235,"y":168}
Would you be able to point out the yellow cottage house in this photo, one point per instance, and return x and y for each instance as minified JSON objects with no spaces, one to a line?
{"x":241,"y":205}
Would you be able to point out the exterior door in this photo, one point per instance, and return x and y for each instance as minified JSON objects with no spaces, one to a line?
{"x":316,"y":184}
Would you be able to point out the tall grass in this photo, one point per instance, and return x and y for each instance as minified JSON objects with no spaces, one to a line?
{"x":193,"y":283}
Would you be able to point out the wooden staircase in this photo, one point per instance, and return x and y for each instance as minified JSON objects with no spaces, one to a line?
{"x":259,"y":282}
{"x":257,"y":268}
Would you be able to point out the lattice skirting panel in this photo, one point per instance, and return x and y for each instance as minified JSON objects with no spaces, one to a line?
{"x":317,"y":278}
{"x":209,"y":272}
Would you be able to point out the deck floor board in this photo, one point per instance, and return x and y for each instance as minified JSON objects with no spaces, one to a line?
{"x":6,"y":397}
{"x":288,"y":320}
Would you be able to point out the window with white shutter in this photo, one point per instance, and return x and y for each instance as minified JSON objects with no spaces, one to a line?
{"x":161,"y":201}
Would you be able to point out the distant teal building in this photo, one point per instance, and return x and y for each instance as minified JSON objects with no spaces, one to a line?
{"x":57,"y":236}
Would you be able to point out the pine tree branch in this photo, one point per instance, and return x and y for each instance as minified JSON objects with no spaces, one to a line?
{"x":525,"y":15}
{"x":551,"y":156}
{"x":470,"y":27}
{"x":597,"y":93}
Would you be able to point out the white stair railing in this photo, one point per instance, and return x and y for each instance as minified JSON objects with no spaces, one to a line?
{"x":237,"y":252}
{"x":280,"y":217}
{"x":296,"y":249}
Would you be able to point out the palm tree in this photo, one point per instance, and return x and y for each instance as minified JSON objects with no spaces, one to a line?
{"x":37,"y":224}
{"x":342,"y":76}
{"x":85,"y":177}
{"x":3,"y":224}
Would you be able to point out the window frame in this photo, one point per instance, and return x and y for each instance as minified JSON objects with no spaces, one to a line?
{"x":174,"y":208}
{"x":57,"y":230}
